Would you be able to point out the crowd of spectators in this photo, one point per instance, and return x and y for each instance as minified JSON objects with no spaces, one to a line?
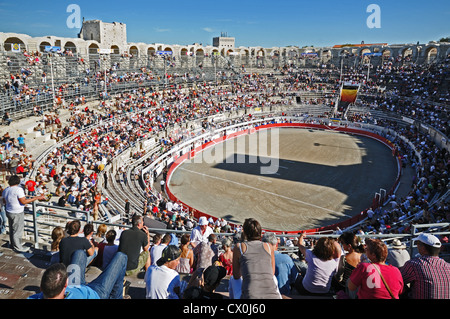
{"x":129,"y":118}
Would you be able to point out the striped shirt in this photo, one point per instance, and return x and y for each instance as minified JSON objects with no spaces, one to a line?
{"x":429,"y":277}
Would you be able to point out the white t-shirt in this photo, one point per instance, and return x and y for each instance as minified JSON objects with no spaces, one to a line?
{"x":319,"y":274}
{"x":197,"y":237}
{"x":156,"y":252}
{"x":11,"y":195}
{"x":160,"y":283}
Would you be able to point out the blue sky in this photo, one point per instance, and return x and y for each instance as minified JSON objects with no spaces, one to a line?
{"x":251,"y":22}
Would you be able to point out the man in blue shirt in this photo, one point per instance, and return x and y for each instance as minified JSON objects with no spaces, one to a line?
{"x":285,"y":270}
{"x":59,"y":282}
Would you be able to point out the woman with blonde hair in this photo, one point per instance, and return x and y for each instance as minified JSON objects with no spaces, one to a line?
{"x":57,"y":235}
{"x":226,"y":258}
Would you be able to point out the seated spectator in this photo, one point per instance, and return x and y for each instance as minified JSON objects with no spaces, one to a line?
{"x":7,"y":119}
{"x":254,"y":261}
{"x":209,"y":280}
{"x":156,"y":251}
{"x":162,"y":281}
{"x":226,"y":257}
{"x":57,"y":235}
{"x":376,"y":280}
{"x":57,"y":284}
{"x":285,"y":270}
{"x":428,"y":274}
{"x":110,"y":249}
{"x":100,"y":234}
{"x":397,"y":255}
{"x":74,"y":242}
{"x":88,"y":231}
{"x":323,"y":261}
{"x":354,"y":248}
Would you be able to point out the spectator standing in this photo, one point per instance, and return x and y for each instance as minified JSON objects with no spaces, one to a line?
{"x":21,"y":141}
{"x":285,"y":270}
{"x":428,"y":274}
{"x":201,"y":232}
{"x":323,"y":261}
{"x":15,"y":201}
{"x":162,"y":281}
{"x":132,"y":241}
{"x":254,"y":261}
{"x":397,"y":254}
{"x":31,"y":187}
{"x":376,"y":280}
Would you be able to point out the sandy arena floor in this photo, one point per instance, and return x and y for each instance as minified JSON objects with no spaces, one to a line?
{"x":319,"y":178}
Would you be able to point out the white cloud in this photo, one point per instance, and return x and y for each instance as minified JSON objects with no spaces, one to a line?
{"x":207,"y":29}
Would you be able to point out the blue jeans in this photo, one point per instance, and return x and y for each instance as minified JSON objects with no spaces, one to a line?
{"x":109,"y":284}
{"x":2,"y":220}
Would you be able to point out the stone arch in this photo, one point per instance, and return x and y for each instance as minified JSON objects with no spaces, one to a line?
{"x":387,"y":53}
{"x":42,"y":46}
{"x":364,"y":58}
{"x":199,"y":52}
{"x":227,"y":52}
{"x":184,"y":52}
{"x":245,"y":52}
{"x":214,"y":51}
{"x":9,"y":42}
{"x":408,"y":51}
{"x":151,"y":51}
{"x":431,"y":53}
{"x":260,"y":52}
{"x":70,"y":46}
{"x":115,"y":49}
{"x":134,"y":51}
{"x":93,"y":48}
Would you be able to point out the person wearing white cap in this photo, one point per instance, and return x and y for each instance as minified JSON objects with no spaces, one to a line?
{"x":397,"y":254}
{"x":200,"y":233}
{"x":428,"y":274}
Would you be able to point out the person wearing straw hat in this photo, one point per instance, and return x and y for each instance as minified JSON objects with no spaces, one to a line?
{"x":397,"y":254}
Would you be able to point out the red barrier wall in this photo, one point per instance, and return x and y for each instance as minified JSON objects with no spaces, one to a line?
{"x":347,"y":223}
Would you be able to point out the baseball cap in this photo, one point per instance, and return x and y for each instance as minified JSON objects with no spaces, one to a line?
{"x":214,"y":274}
{"x":171,"y":252}
{"x":203,"y":221}
{"x":429,"y":239}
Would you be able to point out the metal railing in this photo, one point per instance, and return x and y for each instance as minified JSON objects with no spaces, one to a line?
{"x":39,"y":229}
